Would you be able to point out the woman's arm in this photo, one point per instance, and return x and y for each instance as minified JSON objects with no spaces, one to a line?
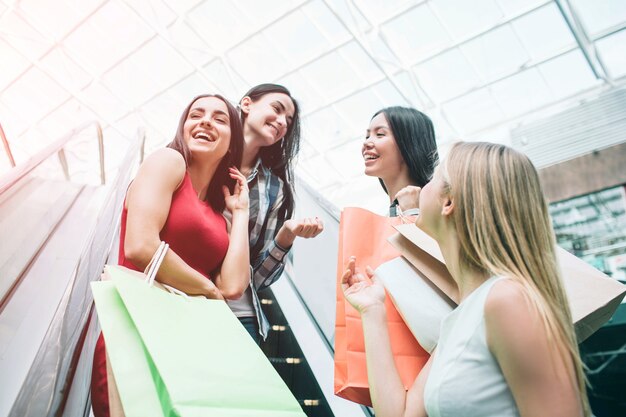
{"x":148,"y":201}
{"x":389,"y":397}
{"x":538,"y":370}
{"x":306,"y":228}
{"x":234,"y":276}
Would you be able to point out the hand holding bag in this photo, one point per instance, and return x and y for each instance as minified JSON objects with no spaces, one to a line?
{"x":364,"y":234}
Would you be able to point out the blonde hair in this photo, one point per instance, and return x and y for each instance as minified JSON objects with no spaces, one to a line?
{"x":504,"y":228}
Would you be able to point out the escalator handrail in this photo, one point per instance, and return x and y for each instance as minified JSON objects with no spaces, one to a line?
{"x":17,"y":172}
{"x":7,"y":147}
{"x":324,"y":203}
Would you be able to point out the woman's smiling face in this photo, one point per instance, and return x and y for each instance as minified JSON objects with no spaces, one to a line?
{"x":380,"y":152}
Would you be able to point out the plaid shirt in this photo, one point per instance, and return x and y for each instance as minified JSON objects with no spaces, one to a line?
{"x":267,"y":258}
{"x":266,"y":196}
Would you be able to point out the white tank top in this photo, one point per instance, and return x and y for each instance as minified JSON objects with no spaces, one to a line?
{"x":465,"y":379}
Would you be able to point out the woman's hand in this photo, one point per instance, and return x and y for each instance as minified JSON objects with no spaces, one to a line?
{"x":306,"y":228}
{"x":238,"y":200}
{"x":360,"y":293}
{"x":408,"y":197}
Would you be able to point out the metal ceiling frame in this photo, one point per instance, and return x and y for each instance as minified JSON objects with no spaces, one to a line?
{"x":353,"y":34}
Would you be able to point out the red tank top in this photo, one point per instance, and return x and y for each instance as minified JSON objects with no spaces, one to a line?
{"x":194,"y":231}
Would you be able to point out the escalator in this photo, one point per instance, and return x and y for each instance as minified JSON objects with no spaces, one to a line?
{"x":56,"y":228}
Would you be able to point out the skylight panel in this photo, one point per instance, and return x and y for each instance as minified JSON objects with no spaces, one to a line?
{"x":114,"y":30}
{"x":324,"y":19}
{"x":34,"y":94}
{"x":257,"y":60}
{"x":156,"y":12}
{"x":64,"y":119}
{"x":544,"y":32}
{"x":416,"y":34}
{"x":377,"y":11}
{"x":357,"y":110}
{"x":106,"y":104}
{"x":612,"y":52}
{"x":308,"y":97}
{"x":12,"y":122}
{"x":600,"y":15}
{"x":463,"y":18}
{"x":40,"y":11}
{"x":191,"y":44}
{"x":320,"y":171}
{"x":447,"y":75}
{"x":122,"y":79}
{"x":568,"y":74}
{"x":348,"y":159}
{"x":332,"y":75}
{"x":65,"y":70}
{"x":326,"y":128}
{"x":389,"y":95}
{"x":496,"y":53}
{"x":350,"y":15}
{"x":183,"y":6}
{"x":13,"y":64}
{"x":362,"y":63}
{"x":297,"y":38}
{"x":159,"y":61}
{"x":473,"y":111}
{"x":268,"y":10}
{"x":195,"y":85}
{"x":164,"y":112}
{"x":521,"y":92}
{"x":408,"y":85}
{"x":221,"y":24}
{"x":226,"y":79}
{"x":511,"y":7}
{"x":23,"y":37}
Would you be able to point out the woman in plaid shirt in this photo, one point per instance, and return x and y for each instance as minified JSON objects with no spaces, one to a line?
{"x":271,"y":123}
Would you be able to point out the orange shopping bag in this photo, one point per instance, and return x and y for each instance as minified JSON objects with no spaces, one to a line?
{"x":364,"y":235}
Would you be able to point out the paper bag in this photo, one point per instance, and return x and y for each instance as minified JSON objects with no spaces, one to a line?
{"x":364,"y":235}
{"x":593,"y":296}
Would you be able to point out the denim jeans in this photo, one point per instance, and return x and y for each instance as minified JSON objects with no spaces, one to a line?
{"x":252,"y":326}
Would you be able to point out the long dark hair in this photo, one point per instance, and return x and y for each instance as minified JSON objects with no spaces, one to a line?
{"x":415,"y":137}
{"x":214,"y":195}
{"x":279,"y":157}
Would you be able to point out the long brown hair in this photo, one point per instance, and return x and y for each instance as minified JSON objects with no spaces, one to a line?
{"x":504,"y":228}
{"x":214,"y":195}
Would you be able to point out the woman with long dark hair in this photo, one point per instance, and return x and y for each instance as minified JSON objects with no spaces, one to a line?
{"x":400,"y":149}
{"x":271,"y":128}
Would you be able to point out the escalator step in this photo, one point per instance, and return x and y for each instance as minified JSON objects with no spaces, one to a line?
{"x":290,"y":361}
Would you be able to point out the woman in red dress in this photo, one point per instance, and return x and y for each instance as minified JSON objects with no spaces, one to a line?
{"x":178,"y":197}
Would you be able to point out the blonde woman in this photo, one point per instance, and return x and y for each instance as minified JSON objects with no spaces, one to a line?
{"x":509,"y":348}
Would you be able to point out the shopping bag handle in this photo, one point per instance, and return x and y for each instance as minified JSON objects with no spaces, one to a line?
{"x":153,"y":268}
{"x":404,"y":217}
{"x":155,"y":263}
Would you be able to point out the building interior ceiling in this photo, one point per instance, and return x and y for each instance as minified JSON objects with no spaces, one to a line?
{"x":478,"y":68}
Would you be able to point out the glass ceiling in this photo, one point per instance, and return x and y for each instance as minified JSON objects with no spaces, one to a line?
{"x":478,"y":68}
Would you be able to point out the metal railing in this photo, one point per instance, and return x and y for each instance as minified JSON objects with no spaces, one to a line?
{"x":58,"y":146}
{"x":7,"y":147}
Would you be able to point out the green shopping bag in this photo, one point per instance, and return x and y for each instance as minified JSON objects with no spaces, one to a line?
{"x":200,"y":360}
{"x":135,"y":374}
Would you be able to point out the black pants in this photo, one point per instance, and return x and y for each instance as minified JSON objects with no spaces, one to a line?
{"x":252,"y":326}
